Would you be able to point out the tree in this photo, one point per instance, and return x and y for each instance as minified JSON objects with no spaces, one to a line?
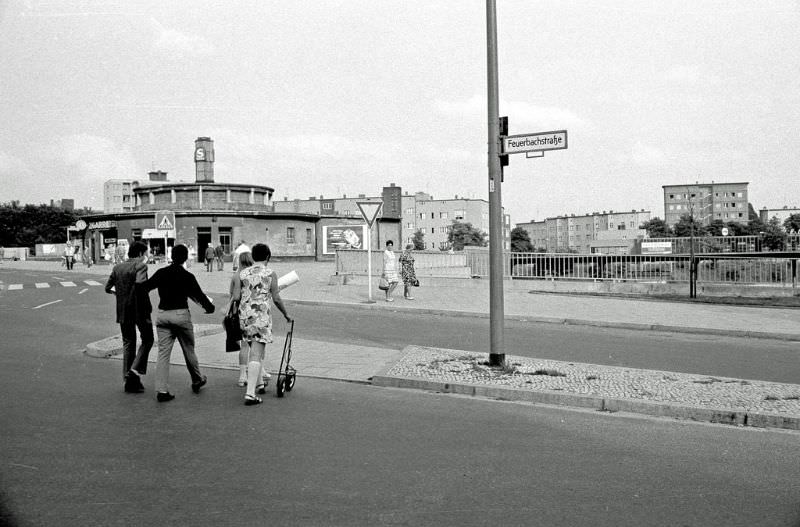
{"x":520,"y":241}
{"x":683,"y":229}
{"x":31,"y":224}
{"x":774,"y":238}
{"x":418,"y":240}
{"x":463,"y":234}
{"x":656,"y":228}
{"x":792,"y":223}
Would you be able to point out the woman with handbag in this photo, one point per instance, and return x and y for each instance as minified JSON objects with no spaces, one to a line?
{"x":389,"y":273}
{"x":255,"y":288}
{"x":245,"y":260}
{"x":407,"y":273}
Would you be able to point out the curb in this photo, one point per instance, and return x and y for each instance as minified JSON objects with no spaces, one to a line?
{"x":601,"y":404}
{"x":790,"y":337}
{"x":110,"y":346}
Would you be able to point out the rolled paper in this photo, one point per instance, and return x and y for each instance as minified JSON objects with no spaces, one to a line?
{"x":288,"y":279}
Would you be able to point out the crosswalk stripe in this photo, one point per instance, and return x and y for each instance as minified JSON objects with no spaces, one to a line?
{"x":91,"y":282}
{"x":42,"y":285}
{"x":14,"y":287}
{"x":67,"y":284}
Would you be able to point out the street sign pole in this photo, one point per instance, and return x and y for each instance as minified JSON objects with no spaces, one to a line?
{"x":369,"y":211}
{"x":369,"y":264}
{"x":497,"y":355}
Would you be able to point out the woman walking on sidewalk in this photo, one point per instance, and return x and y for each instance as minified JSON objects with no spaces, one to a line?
{"x":390,"y":269}
{"x":407,"y":273}
{"x":254,"y":288}
{"x":244,"y":260}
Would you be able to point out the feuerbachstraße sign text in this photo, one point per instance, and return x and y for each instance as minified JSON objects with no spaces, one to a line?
{"x":536,"y":142}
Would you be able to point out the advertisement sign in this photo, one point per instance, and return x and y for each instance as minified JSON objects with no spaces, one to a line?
{"x":656,"y":247}
{"x":343,"y":237}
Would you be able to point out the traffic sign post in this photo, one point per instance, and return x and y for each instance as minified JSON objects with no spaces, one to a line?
{"x":369,"y":211}
{"x":165,"y":222}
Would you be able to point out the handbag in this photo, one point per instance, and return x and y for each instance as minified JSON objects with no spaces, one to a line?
{"x":233,"y":329}
{"x":383,"y":284}
{"x":415,"y":283}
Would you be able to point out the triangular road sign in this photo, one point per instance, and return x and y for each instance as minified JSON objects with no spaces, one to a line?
{"x":165,"y":224}
{"x":369,"y":210}
{"x":165,"y":220}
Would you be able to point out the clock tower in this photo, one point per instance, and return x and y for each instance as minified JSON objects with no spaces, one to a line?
{"x":204,"y":159}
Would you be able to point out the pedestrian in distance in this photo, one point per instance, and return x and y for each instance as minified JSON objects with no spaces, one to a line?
{"x":255,"y":287}
{"x":241,"y":248}
{"x":390,"y":270}
{"x":192,"y":256}
{"x":219,"y":253}
{"x":69,"y":256}
{"x":87,"y":256}
{"x":407,"y":273}
{"x":174,"y":321}
{"x":133,"y":312}
{"x":209,"y":257}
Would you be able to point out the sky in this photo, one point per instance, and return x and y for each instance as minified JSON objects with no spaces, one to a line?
{"x":325,"y":98}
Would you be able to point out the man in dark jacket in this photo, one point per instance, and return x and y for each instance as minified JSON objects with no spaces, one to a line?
{"x":133,"y":311}
{"x":209,"y":256}
{"x":175,"y":286}
{"x":219,"y":252}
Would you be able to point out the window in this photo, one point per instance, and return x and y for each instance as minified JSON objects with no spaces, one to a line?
{"x":433,"y":215}
{"x":459,"y":214}
{"x":225,"y":239}
{"x":409,"y":225}
{"x":309,"y":236}
{"x":289,"y":234}
{"x":672,"y":196}
{"x":327,"y":206}
{"x":442,"y":215}
{"x":422,"y":215}
{"x":433,"y":230}
{"x":410,"y":210}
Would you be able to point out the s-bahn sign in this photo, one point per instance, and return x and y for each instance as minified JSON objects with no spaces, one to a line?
{"x":536,"y":142}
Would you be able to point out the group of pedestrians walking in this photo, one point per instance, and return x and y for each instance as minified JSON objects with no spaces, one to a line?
{"x":214,"y":254}
{"x":391,"y":276}
{"x":254,"y":286}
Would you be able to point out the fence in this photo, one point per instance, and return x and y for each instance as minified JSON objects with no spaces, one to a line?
{"x":779,"y":269}
{"x":728,"y":244}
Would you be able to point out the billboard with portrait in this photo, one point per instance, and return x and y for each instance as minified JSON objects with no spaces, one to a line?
{"x":343,"y":237}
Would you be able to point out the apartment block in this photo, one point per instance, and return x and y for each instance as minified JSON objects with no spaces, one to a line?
{"x":118,"y":195}
{"x":706,"y":202}
{"x":575,"y":233}
{"x":782,"y":214}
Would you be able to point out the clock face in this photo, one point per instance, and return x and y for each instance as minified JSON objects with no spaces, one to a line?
{"x":200,"y":154}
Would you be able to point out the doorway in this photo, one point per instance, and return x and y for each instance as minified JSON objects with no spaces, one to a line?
{"x":203,"y":239}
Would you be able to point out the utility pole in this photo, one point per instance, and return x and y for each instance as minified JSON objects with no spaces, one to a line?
{"x":497,"y":355}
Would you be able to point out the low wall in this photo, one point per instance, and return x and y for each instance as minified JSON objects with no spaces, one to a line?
{"x":657,"y":288}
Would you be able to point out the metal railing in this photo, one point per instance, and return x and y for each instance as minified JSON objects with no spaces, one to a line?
{"x":728,"y":244}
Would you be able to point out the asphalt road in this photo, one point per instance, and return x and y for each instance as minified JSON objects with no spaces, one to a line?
{"x":76,"y":450}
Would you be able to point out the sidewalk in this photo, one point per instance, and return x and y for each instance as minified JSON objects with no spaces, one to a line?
{"x":669,"y":394}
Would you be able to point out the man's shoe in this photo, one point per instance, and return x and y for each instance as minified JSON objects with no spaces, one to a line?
{"x":163,"y":397}
{"x":133,"y":384}
{"x":199,"y":384}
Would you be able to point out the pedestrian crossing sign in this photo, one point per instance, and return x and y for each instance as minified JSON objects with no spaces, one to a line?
{"x":165,"y":220}
{"x":369,"y":210}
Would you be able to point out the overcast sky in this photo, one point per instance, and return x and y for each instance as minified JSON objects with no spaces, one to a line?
{"x":343,"y":97}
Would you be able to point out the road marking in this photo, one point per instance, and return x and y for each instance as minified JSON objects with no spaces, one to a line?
{"x":67,"y":284}
{"x":42,"y":285}
{"x":14,"y":287}
{"x":47,"y":304}
{"x":83,"y":290}
{"x":91,"y":282}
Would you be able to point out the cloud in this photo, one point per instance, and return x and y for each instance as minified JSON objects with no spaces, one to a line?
{"x":11,"y":166}
{"x":520,"y":114}
{"x":90,"y":158}
{"x":689,"y":75}
{"x":643,"y":155}
{"x":173,"y":42}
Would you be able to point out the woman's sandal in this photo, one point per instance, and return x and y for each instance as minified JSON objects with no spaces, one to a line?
{"x":249,"y":400}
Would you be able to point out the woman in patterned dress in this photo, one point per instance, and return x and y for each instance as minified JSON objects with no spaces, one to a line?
{"x":407,"y":273}
{"x":256,"y":286}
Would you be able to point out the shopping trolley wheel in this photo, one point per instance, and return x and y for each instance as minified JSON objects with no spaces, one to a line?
{"x":279,"y":385}
{"x":290,"y":382}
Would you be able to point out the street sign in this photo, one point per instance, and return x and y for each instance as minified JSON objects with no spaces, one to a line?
{"x":536,"y":142}
{"x":165,"y":220}
{"x":369,"y":210}
{"x":724,"y":231}
{"x":80,"y":225}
